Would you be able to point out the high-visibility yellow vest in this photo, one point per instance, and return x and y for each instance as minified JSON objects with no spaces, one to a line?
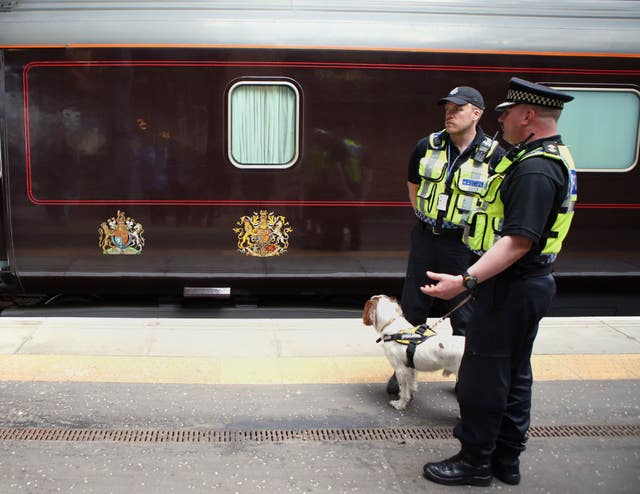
{"x":446,"y":196}
{"x":484,"y":223}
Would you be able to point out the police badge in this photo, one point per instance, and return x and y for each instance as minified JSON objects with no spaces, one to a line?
{"x":263,"y":234}
{"x":120,"y":235}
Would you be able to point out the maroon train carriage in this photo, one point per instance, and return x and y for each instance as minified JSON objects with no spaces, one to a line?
{"x":206,"y":151}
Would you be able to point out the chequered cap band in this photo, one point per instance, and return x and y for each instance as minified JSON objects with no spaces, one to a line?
{"x":519,"y":96}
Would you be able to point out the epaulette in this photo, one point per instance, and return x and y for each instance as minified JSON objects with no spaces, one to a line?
{"x":551,"y":147}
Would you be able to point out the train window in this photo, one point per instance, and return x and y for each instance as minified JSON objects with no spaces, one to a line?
{"x":263,"y":124}
{"x":598,"y":121}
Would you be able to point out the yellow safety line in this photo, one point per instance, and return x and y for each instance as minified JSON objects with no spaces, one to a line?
{"x":285,"y":370}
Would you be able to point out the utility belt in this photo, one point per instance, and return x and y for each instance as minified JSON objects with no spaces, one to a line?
{"x":446,"y":229}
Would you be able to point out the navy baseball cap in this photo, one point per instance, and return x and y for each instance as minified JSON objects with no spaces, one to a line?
{"x":521,"y":91}
{"x":462,"y":95}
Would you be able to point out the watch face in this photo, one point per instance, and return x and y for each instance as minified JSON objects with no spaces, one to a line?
{"x":469,"y":282}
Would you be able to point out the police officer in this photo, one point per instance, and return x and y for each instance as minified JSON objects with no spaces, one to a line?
{"x":518,"y":229}
{"x":446,"y":169}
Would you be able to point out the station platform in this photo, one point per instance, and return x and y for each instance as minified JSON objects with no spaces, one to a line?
{"x":289,"y":405}
{"x":275,"y":351}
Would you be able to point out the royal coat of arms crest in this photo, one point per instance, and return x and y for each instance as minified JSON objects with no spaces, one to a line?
{"x":263,"y":234}
{"x":120,"y":235}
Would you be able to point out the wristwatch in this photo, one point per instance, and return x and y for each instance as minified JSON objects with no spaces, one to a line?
{"x":469,"y":281}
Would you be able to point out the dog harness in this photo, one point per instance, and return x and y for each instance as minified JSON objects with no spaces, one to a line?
{"x":412,"y":338}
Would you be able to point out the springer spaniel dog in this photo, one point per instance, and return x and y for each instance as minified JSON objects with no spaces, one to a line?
{"x":439,"y":350}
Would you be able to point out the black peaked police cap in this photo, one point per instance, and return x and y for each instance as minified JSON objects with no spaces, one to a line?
{"x":462,"y":95}
{"x":521,"y":91}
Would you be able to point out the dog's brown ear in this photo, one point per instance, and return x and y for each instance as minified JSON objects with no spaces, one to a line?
{"x":368,"y":310}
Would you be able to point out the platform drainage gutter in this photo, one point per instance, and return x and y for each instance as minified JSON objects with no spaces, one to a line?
{"x":284,"y":435}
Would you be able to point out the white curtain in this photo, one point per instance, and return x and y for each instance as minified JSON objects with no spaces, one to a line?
{"x":263,"y":124}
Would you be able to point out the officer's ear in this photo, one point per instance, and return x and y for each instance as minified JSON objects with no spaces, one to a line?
{"x":528,"y":115}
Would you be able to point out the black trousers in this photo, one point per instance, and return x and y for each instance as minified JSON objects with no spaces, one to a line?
{"x":439,"y":253}
{"x":495,"y":379}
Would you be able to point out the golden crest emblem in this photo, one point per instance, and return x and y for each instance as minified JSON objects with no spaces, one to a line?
{"x":120,"y":235}
{"x":263,"y":234}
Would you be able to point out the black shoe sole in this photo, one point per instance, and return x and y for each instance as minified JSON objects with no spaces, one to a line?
{"x":479,"y":481}
{"x":509,"y":474}
{"x":511,"y":479}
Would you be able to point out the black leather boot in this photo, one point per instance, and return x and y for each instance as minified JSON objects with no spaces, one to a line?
{"x":459,"y":470}
{"x":393,"y":388}
{"x":506,"y":469}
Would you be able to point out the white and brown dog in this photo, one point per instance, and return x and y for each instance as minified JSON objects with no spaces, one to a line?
{"x":443,"y":350}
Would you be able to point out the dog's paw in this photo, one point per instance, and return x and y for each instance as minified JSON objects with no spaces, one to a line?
{"x":398,"y":404}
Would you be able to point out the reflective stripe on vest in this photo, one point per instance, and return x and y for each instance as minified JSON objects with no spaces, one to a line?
{"x":484,"y":224}
{"x":445,"y":197}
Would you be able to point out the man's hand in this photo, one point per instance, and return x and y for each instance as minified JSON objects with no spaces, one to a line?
{"x":446,"y":287}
